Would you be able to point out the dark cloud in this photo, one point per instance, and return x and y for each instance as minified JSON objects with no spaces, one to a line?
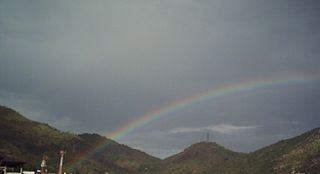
{"x":94,"y":66}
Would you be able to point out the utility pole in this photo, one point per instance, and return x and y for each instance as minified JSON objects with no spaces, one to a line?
{"x":62,"y":153}
{"x":208,"y":136}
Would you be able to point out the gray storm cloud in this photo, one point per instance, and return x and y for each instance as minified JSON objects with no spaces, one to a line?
{"x":92,"y":66}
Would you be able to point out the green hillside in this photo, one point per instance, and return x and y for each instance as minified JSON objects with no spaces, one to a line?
{"x":300,"y":154}
{"x":28,"y":140}
{"x":205,"y":158}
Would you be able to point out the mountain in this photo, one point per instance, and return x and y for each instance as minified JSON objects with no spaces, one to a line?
{"x":204,"y":157}
{"x":300,"y":154}
{"x":28,"y":140}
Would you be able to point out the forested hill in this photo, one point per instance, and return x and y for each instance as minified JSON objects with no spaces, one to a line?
{"x":300,"y":154}
{"x":28,"y":140}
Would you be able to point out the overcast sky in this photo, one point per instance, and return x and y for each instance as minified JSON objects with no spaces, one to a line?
{"x":92,"y":66}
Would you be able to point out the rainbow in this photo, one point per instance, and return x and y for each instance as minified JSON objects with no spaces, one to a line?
{"x":224,"y":90}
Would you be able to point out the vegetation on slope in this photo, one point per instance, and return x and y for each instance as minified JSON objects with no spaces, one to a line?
{"x":204,"y":157}
{"x":298,"y":154}
{"x":28,"y":140}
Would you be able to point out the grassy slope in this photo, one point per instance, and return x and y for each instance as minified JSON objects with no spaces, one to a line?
{"x":29,"y":140}
{"x":300,"y":154}
{"x":204,"y":158}
{"x":26,"y":139}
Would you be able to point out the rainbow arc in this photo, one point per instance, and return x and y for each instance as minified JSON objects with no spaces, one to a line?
{"x":212,"y":94}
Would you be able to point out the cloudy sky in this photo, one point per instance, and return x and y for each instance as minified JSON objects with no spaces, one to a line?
{"x":94,"y":66}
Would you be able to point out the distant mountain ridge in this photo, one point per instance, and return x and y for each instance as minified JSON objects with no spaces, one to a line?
{"x":27,"y":140}
{"x":300,"y":154}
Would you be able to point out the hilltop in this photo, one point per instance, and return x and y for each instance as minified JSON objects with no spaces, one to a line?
{"x":28,"y":140}
{"x":203,"y":157}
{"x":299,"y":154}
